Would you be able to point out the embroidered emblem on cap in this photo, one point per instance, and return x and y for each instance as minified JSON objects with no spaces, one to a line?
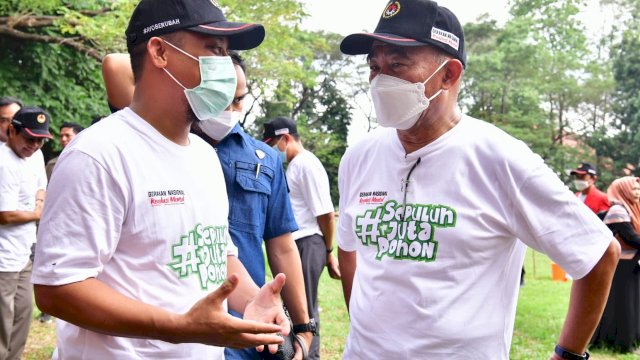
{"x":41,"y":118}
{"x":391,"y":10}
{"x":282,"y":131}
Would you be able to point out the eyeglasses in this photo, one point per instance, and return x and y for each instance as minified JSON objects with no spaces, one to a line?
{"x":405,"y":186}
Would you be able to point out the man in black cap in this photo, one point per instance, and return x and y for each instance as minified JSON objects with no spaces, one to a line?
{"x":584,"y":180}
{"x":434,"y":203}
{"x":22,"y":193}
{"x":134,"y":252}
{"x":313,"y":210}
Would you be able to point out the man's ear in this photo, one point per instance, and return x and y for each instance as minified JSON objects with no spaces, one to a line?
{"x":12,"y":130}
{"x":157,"y":51}
{"x":453,"y":73}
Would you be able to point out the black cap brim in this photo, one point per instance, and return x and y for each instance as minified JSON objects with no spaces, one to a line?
{"x":358,"y":44}
{"x":242,"y":36}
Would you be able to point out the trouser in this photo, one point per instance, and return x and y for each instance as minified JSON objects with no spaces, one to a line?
{"x":16,"y":294}
{"x":313,"y":255}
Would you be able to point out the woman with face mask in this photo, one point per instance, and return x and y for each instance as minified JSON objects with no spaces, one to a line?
{"x":619,"y":327}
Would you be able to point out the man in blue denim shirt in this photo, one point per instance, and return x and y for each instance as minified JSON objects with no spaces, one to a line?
{"x":259,"y":206}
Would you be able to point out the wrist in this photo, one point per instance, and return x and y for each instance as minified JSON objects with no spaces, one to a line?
{"x":563,"y":353}
{"x":309,"y":327}
{"x":330,"y":250}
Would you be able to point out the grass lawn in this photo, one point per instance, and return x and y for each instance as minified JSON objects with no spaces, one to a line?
{"x":541,"y":310}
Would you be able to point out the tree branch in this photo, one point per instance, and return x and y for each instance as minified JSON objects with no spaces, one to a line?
{"x":6,"y":30}
{"x":31,"y":21}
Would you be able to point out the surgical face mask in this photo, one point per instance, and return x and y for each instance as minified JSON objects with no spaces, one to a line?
{"x":218,"y":127}
{"x":217,"y":85}
{"x":281,"y":154}
{"x":399,"y":103}
{"x":580,"y":184}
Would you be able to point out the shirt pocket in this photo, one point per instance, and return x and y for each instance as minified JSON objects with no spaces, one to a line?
{"x":252,"y":185}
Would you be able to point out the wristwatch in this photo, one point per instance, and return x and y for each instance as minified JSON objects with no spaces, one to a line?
{"x":566,"y":354}
{"x":308,"y":327}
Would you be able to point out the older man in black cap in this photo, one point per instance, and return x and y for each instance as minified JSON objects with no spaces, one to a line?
{"x":434,"y":203}
{"x":134,"y":251}
{"x":22,"y":192}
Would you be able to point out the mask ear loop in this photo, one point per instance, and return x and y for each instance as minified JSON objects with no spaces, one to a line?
{"x":434,"y":74}
{"x":185,"y":53}
{"x":174,"y":78}
{"x":182,"y":51}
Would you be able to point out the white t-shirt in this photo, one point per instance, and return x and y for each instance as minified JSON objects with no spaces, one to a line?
{"x":448,"y":288}
{"x":309,"y":191}
{"x":20,"y":180}
{"x":145,"y":216}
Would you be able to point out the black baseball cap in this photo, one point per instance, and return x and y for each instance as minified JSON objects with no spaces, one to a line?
{"x":34,"y":121}
{"x":279,"y":126}
{"x":585,"y":168}
{"x":157,"y":17}
{"x":412,"y":23}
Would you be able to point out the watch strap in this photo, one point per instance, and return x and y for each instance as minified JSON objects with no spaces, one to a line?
{"x":568,"y":355}
{"x":308,"y":327}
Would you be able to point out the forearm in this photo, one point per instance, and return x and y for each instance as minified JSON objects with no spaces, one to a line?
{"x":18,"y":217}
{"x":246,"y":289}
{"x":95,"y":306}
{"x":347,"y":262}
{"x":283,"y":257}
{"x":118,"y":79}
{"x":587,"y":302}
{"x":328,"y":228}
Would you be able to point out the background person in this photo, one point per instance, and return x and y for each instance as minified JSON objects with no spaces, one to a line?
{"x":68,"y":130}
{"x":135,"y":247}
{"x":311,"y":200}
{"x":22,"y":195}
{"x":585,"y":177}
{"x":454,"y":195}
{"x":8,"y":107}
{"x":619,"y":327}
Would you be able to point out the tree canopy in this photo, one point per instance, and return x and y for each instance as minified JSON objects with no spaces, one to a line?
{"x":537,"y":75}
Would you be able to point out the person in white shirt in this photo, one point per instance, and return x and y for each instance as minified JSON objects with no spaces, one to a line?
{"x":433,"y":204}
{"x":22,"y":194}
{"x":313,"y":210}
{"x":134,"y":256}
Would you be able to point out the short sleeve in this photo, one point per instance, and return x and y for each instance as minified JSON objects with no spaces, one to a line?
{"x":279,"y":217}
{"x":550,"y":219}
{"x":346,"y":236}
{"x":617,"y":214}
{"x":317,"y":194}
{"x":81,"y":223}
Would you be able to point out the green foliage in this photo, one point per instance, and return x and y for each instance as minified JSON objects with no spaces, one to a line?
{"x":528,"y":78}
{"x":64,"y":82}
{"x":46,"y":70}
